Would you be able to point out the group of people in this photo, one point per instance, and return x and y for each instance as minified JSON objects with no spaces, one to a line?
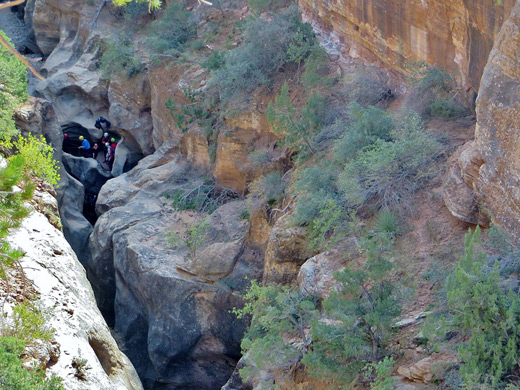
{"x":107,"y":144}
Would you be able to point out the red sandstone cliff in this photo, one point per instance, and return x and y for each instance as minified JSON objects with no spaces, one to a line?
{"x":455,"y":34}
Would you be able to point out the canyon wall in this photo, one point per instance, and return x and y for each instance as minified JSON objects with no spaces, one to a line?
{"x":80,"y":333}
{"x":454,"y":34}
{"x":488,"y":168}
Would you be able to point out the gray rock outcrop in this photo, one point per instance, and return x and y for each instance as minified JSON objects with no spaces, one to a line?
{"x":171,"y":303}
{"x":64,"y":292}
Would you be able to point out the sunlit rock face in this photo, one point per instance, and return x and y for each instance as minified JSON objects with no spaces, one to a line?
{"x":80,"y":332}
{"x":455,"y":34}
{"x":497,"y":134}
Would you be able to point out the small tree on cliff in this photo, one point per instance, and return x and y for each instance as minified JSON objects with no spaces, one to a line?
{"x":278,"y":336}
{"x":358,"y":321}
{"x":487,"y":316}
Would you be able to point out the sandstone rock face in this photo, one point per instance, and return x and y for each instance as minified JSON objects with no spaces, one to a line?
{"x":287,"y":250}
{"x":80,"y":330}
{"x":491,"y":167}
{"x":461,"y":185}
{"x":171,"y":303}
{"x":455,"y":34}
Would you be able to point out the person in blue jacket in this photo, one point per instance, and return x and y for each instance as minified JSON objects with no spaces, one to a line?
{"x":85,"y":145}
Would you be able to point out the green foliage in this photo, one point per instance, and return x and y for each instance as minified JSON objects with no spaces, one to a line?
{"x":38,"y":156}
{"x":315,"y":187}
{"x":383,"y":374}
{"x":366,"y":126}
{"x":487,"y":316}
{"x":12,"y":206}
{"x":119,"y":56}
{"x":27,"y":323}
{"x":431,"y":93}
{"x":14,"y":377}
{"x":358,"y":321}
{"x":268,"y":189}
{"x":170,"y":34}
{"x":13,"y":91}
{"x":278,"y":312}
{"x":387,"y":172}
{"x":152,"y":4}
{"x":297,"y":127}
{"x":205,"y":198}
{"x":328,"y":228}
{"x":369,"y":90}
{"x":264,"y":51}
{"x":200,"y":109}
{"x":316,"y":66}
{"x":214,"y":61}
{"x":260,"y":6}
{"x":196,"y":236}
{"x":387,"y":223}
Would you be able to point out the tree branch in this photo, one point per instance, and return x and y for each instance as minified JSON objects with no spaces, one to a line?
{"x":6,"y":44}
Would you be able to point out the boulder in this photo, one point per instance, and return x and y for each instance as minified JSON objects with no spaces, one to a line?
{"x":287,"y":250}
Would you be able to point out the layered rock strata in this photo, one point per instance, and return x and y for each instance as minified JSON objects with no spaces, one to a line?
{"x":489,"y":166}
{"x":455,"y":34}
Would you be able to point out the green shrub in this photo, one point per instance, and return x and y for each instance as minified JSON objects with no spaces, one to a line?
{"x":298,"y":127}
{"x":329,"y":227}
{"x":214,"y":61}
{"x":13,"y":79}
{"x":119,"y":56}
{"x":369,"y":90}
{"x":387,"y":223}
{"x":359,"y":322}
{"x":268,"y":189}
{"x":264,"y":51}
{"x":366,"y":126}
{"x":487,"y":316}
{"x":38,"y":156}
{"x":316,"y":69}
{"x":388,"y":172}
{"x":315,"y":187}
{"x":27,"y":323}
{"x":14,"y":377}
{"x":196,"y":236}
{"x":276,"y":313}
{"x":431,"y":93}
{"x":205,"y":198}
{"x":260,"y":6}
{"x":170,"y":34}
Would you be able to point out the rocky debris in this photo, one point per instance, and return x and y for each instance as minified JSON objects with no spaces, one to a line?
{"x":80,"y":331}
{"x":427,"y":369}
{"x":394,"y":32}
{"x":412,"y":320}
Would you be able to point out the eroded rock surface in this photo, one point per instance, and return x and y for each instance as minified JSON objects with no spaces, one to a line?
{"x":79,"y":328}
{"x":455,"y":34}
{"x":171,"y":301}
{"x":488,"y":169}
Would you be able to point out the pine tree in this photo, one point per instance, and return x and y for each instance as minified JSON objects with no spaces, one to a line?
{"x":487,"y":316}
{"x":358,"y":321}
